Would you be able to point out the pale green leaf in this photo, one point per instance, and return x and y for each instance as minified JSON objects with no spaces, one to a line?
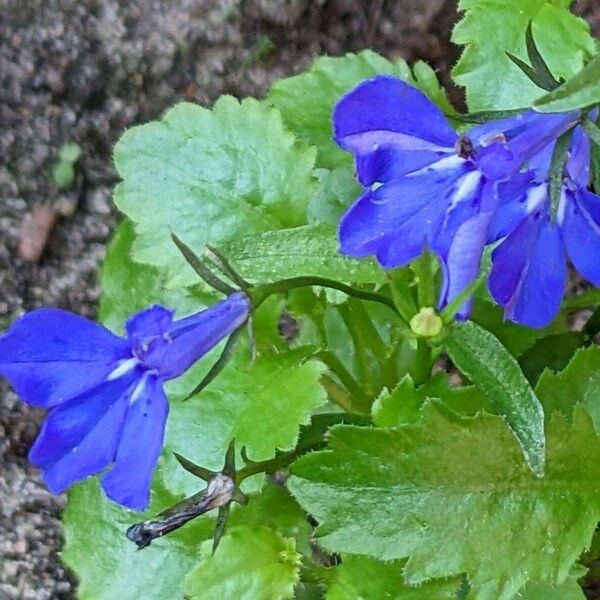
{"x":250,"y":564}
{"x":490,"y":28}
{"x":210,"y":175}
{"x":306,"y":101}
{"x":336,"y":191}
{"x":456,"y":497}
{"x":302,"y":251}
{"x":489,"y":365}
{"x":364,"y":578}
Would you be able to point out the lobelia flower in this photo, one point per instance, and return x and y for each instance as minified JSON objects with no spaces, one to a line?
{"x":426,"y":186}
{"x":529,"y":270}
{"x":105,"y":392}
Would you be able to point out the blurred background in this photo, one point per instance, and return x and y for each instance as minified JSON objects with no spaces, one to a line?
{"x":73,"y":75}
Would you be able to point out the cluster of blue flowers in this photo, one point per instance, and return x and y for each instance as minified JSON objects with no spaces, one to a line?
{"x":425,"y":186}
{"x":428,"y":187}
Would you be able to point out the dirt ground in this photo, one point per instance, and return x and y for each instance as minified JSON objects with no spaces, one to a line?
{"x":83,"y":70}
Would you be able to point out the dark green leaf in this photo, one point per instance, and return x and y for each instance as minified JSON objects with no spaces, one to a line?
{"x":489,"y":365}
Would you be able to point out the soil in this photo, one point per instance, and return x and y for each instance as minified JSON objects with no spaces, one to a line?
{"x":84,"y":70}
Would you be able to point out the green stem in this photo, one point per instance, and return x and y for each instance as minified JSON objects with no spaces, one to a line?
{"x":424,"y":278}
{"x":423,"y":363}
{"x":280,"y":287}
{"x":369,"y":331}
{"x":399,"y":282}
{"x":336,"y":365}
{"x":365,"y":368}
{"x":337,"y":394}
{"x":281,"y":461}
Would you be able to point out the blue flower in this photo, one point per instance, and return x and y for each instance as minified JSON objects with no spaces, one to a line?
{"x":106,"y":392}
{"x":426,"y":186}
{"x":529,"y":270}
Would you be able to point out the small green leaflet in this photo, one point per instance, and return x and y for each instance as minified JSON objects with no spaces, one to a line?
{"x":489,"y":365}
{"x":308,"y":250}
{"x":364,"y":578}
{"x":490,"y":28}
{"x":578,"y":384}
{"x":456,"y":496}
{"x":306,"y":101}
{"x":210,"y":175}
{"x":580,"y":91}
{"x":251,"y":564}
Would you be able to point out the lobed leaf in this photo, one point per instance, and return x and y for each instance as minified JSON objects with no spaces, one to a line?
{"x":210,"y":175}
{"x":490,"y":29}
{"x":455,"y":496}
{"x":255,"y":563}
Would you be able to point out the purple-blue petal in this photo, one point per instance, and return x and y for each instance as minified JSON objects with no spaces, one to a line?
{"x":390,"y":125}
{"x":578,"y":164}
{"x":520,"y":137}
{"x":460,"y":244}
{"x":188,"y":339}
{"x":529,"y":272}
{"x":148,"y":323}
{"x":128,"y":482}
{"x":68,"y":424}
{"x":51,"y":355}
{"x":394,"y":221}
{"x":518,"y":197}
{"x":580,"y":226}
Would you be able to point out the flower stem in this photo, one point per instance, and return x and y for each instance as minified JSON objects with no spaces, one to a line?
{"x":336,"y":365}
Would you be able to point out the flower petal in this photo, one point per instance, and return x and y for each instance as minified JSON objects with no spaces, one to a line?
{"x":518,"y":197}
{"x":521,"y":136}
{"x":387,"y":114}
{"x":578,"y":165}
{"x":394,"y":221}
{"x":580,"y":226}
{"x":153,"y":321}
{"x":188,"y":339}
{"x":529,"y":272}
{"x":128,"y":483}
{"x":461,"y":242}
{"x":51,"y":355}
{"x":66,"y":426}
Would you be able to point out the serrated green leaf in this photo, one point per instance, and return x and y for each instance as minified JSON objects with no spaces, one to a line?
{"x":580,"y":91}
{"x":336,"y":191}
{"x":262,"y":407}
{"x":210,"y":175}
{"x":405,"y":403}
{"x":569,"y":589}
{"x":489,"y":365}
{"x":456,"y":497}
{"x":250,"y":564}
{"x":577,"y":384}
{"x":108,"y":565}
{"x":306,"y":101}
{"x":551,"y":352}
{"x":364,"y":578}
{"x":490,"y":28}
{"x":308,"y":250}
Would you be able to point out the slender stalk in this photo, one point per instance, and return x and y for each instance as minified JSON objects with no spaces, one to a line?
{"x":423,"y":362}
{"x":336,"y":365}
{"x":424,"y":277}
{"x":365,"y":368}
{"x":371,"y":335}
{"x":399,"y":282}
{"x":280,"y":287}
{"x":337,"y":394}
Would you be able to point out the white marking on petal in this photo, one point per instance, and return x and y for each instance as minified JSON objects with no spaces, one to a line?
{"x":466,"y":186}
{"x":449,"y":163}
{"x":536,"y":197}
{"x":139,"y":389}
{"x":123,"y":367}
